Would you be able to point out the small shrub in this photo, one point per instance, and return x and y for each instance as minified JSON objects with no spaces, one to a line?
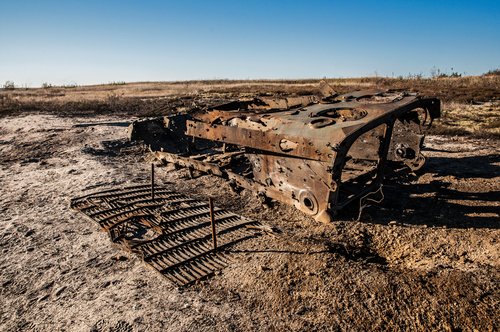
{"x":46,"y":85}
{"x":9,"y":85}
{"x":418,"y":76}
{"x":492,"y":72}
{"x":113,"y":99}
{"x":437,"y":73}
{"x":453,"y":74}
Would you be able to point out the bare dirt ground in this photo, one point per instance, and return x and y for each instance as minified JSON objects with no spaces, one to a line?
{"x":427,"y":258}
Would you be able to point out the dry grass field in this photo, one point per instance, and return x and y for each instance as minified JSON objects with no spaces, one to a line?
{"x":427,"y":258}
{"x":470,"y":104}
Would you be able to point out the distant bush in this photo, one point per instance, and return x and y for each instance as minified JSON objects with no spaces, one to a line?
{"x":9,"y":85}
{"x":493,"y":72}
{"x":437,"y":73}
{"x":412,"y":76}
{"x":46,"y":85}
{"x":453,"y":74}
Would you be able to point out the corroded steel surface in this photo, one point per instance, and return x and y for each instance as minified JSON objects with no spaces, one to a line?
{"x":172,"y":232}
{"x":318,"y":152}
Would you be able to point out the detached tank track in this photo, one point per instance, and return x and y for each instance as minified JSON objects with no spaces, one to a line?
{"x":171,"y":233}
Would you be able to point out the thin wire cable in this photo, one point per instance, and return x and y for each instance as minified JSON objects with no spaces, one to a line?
{"x":363,"y":205}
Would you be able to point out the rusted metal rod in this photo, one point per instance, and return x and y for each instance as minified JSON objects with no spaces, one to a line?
{"x":212,"y":222}
{"x":152,"y":181}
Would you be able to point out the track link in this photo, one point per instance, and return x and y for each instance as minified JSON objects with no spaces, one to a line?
{"x":171,"y":233}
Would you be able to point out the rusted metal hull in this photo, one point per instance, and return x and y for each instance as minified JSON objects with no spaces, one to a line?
{"x":316,"y":153}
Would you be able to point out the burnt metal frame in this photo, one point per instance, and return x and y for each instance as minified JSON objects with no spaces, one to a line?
{"x":429,"y":104}
{"x":174,"y":140}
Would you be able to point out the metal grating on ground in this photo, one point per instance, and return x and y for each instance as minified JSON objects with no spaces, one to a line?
{"x":172,"y":232}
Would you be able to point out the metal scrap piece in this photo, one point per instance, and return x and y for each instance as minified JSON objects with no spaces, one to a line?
{"x":172,"y":232}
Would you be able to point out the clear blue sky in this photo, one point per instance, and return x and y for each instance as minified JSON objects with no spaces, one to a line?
{"x":89,"y":41}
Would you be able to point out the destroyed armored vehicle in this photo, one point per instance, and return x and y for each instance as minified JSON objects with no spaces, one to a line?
{"x":318,"y":153}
